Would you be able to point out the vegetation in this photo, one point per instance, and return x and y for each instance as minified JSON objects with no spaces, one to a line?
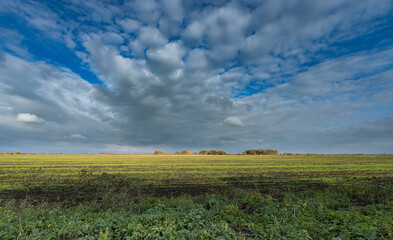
{"x":221,"y":152}
{"x":212,"y":152}
{"x":261,"y":152}
{"x":157,"y":152}
{"x":196,"y":197}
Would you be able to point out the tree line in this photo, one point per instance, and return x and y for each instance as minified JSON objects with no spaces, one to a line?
{"x":185,"y":152}
{"x":222,"y":152}
{"x":260,"y":152}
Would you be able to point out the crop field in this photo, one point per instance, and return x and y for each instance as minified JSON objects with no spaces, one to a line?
{"x":105,"y":196}
{"x":30,"y":170}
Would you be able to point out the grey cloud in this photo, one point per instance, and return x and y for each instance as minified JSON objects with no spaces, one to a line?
{"x":284,"y":28}
{"x":173,"y":70}
{"x":151,"y":37}
{"x":174,"y":9}
{"x":167,"y":110}
{"x":145,"y":10}
{"x":221,"y":102}
{"x":2,"y":57}
{"x":223,"y":25}
{"x":172,"y":20}
{"x":177,"y":106}
{"x":228,"y":138}
{"x":222,"y":30}
{"x":166,"y":59}
{"x":56,"y":101}
{"x":197,"y":61}
{"x":338,"y":77}
{"x":77,"y":136}
{"x":148,"y":37}
{"x":47,"y":21}
{"x":325,"y":114}
{"x":12,"y":40}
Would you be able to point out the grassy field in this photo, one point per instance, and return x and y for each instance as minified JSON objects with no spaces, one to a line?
{"x":196,"y":197}
{"x":27,"y":170}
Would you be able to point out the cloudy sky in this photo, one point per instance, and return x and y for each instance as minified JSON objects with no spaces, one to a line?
{"x":135,"y":76}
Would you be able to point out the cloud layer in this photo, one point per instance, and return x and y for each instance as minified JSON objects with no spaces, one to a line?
{"x":300,"y":76}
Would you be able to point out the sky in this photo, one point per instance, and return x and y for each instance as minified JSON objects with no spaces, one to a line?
{"x":136,"y":76}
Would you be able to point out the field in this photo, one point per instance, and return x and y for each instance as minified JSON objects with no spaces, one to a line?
{"x":99,"y":196}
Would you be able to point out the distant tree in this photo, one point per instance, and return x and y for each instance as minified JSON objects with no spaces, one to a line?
{"x":221,"y":152}
{"x":157,"y":152}
{"x":213,"y":152}
{"x":261,"y":152}
{"x":184,"y":152}
{"x":203,"y":152}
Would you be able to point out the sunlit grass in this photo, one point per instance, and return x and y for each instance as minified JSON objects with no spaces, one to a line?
{"x":16,"y":170}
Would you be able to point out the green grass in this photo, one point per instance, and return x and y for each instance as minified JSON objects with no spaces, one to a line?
{"x":196,"y":197}
{"x":18,"y":170}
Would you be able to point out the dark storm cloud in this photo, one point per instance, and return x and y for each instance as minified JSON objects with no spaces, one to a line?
{"x":292,"y":75}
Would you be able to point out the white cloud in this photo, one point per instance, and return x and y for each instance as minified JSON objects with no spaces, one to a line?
{"x":148,"y":37}
{"x":151,"y":37}
{"x":29,"y":118}
{"x":129,"y":25}
{"x":233,"y":121}
{"x":224,"y":25}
